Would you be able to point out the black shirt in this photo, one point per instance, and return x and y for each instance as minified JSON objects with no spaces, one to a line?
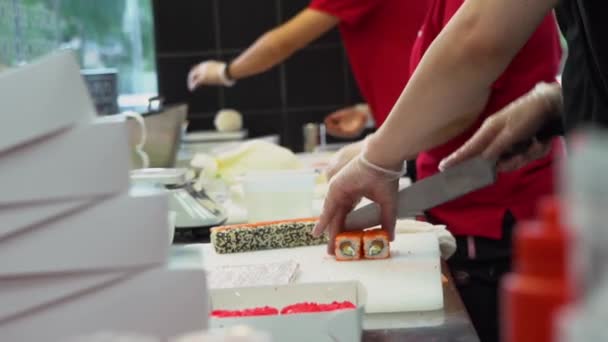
{"x":585,"y":78}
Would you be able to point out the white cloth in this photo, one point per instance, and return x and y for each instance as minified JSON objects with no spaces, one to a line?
{"x":447,"y":242}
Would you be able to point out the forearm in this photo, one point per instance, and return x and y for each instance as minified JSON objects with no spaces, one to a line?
{"x":452,"y":84}
{"x":278,"y":44}
{"x":263,"y":55}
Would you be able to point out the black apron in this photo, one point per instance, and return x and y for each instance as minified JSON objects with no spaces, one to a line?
{"x":584,"y":24}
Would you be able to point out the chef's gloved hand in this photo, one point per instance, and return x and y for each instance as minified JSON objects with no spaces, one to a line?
{"x":347,"y":122}
{"x":518,"y":122}
{"x":343,"y":157}
{"x":360,"y":178}
{"x":209,"y":73}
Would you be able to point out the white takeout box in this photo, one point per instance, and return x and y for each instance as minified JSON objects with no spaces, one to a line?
{"x":161,"y":303}
{"x":41,"y":98}
{"x":84,"y":161}
{"x":342,"y":325}
{"x":20,"y":295}
{"x":19,"y":217}
{"x":125,"y":231}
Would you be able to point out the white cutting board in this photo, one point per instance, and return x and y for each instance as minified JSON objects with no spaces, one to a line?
{"x":408,"y":281}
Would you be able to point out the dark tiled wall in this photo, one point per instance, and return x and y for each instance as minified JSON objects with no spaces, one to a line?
{"x":312,"y":83}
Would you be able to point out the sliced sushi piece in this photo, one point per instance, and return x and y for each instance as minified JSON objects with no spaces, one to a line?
{"x":376,"y":244}
{"x":348,"y":246}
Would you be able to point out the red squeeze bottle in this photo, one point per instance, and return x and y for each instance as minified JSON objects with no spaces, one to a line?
{"x":539,"y":284}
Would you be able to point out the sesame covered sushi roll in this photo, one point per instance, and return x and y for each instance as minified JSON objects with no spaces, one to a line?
{"x":376,"y":244}
{"x":348,"y":246}
{"x":265,"y":235}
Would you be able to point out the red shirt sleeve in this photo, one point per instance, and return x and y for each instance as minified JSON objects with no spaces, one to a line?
{"x":348,"y":11}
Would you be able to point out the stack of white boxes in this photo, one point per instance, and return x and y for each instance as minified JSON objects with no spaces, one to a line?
{"x":80,"y":252}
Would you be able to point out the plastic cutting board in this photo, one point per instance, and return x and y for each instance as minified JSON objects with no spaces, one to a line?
{"x":409,"y":281}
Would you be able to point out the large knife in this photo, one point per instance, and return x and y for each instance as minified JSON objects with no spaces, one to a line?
{"x":430,"y":192}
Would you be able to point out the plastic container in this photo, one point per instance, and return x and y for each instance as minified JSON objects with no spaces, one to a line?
{"x":279,"y":195}
{"x":539,"y":286}
{"x":586,"y":187}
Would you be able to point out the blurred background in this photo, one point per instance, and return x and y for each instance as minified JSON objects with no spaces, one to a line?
{"x":137,"y":49}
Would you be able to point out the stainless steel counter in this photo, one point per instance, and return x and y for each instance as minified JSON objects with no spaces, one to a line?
{"x":452,"y":323}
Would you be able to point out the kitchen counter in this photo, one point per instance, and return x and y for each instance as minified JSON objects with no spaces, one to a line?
{"x":452,"y":323}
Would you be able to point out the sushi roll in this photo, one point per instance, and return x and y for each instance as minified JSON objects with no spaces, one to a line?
{"x":265,"y":235}
{"x":376,"y":244}
{"x":348,"y":246}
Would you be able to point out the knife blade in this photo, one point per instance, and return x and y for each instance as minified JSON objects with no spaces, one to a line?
{"x":430,"y":192}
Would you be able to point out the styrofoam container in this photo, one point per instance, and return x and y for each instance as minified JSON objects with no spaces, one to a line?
{"x":342,"y":325}
{"x":120,"y":232}
{"x":87,"y":160}
{"x":279,"y":195}
{"x":160,"y":303}
{"x":42,"y":97}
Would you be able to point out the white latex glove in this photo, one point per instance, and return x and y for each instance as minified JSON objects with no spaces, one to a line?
{"x":447,"y":242}
{"x":359,"y":179}
{"x":343,"y":157}
{"x":517,"y":122}
{"x":208,"y":73}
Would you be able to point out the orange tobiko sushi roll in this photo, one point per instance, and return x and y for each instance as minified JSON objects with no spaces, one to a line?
{"x":349,"y":246}
{"x":376,"y":244}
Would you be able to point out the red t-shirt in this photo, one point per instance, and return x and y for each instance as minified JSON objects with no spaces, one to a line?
{"x":378,"y":36}
{"x":481,"y":213}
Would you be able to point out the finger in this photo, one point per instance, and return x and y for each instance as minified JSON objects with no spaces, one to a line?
{"x":474,"y":146}
{"x":388,"y":217}
{"x":329,"y":208}
{"x":503,"y":142}
{"x":331,"y":171}
{"x":335,"y":228}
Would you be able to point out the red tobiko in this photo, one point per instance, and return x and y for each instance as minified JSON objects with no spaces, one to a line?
{"x":262,"y":311}
{"x":315,"y":307}
{"x":304,"y":307}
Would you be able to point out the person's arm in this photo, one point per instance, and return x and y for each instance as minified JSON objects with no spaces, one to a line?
{"x":278,"y":44}
{"x":534,"y":117}
{"x":444,"y":96}
{"x":267,"y":51}
{"x":451,"y":85}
